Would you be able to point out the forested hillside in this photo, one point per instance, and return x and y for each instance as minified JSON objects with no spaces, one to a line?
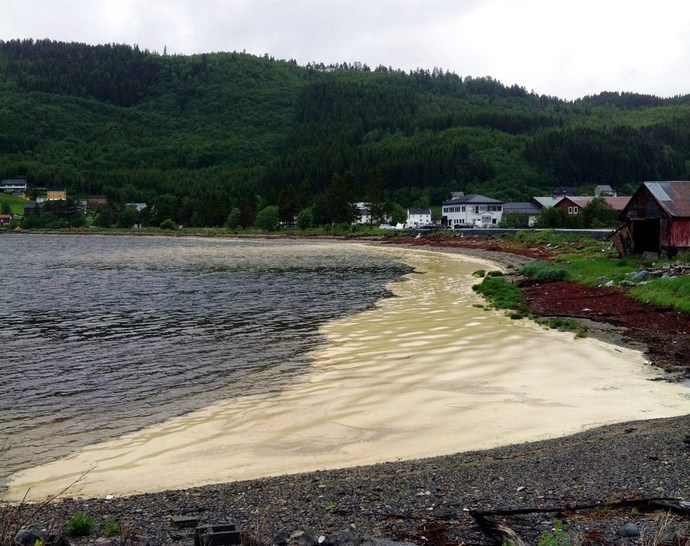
{"x":202,"y":135}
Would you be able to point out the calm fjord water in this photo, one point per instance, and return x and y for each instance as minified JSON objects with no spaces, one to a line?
{"x":103,"y":335}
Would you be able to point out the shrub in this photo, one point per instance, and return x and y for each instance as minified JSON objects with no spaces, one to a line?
{"x":305,"y":218}
{"x":267,"y":218}
{"x":79,"y":525}
{"x":111,"y":528}
{"x":168,"y":224}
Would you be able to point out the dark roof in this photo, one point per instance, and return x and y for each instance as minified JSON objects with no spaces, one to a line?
{"x":472,"y":200}
{"x":521,"y":208}
{"x":672,"y":196}
{"x":419,"y":211}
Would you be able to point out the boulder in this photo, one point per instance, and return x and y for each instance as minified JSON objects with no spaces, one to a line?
{"x":640,"y":276}
{"x":28,"y":537}
{"x":629,"y":530}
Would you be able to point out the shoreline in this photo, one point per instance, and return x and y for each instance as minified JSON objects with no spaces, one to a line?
{"x":428,"y":501}
{"x":465,"y":367}
{"x":391,"y":500}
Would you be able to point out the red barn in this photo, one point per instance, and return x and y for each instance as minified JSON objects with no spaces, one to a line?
{"x":657,"y":219}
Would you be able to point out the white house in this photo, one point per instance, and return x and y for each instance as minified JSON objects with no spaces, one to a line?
{"x":418,"y":217}
{"x":604,"y":190}
{"x":362,"y":215}
{"x":471,"y":210}
{"x":13,"y":186}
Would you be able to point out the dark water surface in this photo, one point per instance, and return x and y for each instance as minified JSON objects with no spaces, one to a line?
{"x":100,"y":336}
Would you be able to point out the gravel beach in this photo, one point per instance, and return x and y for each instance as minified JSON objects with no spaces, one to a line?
{"x":594,"y":482}
{"x":429,"y":501}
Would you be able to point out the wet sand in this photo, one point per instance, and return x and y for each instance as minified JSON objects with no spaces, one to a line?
{"x":425,"y":373}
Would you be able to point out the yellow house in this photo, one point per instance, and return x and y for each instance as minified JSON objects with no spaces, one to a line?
{"x":57,"y":194}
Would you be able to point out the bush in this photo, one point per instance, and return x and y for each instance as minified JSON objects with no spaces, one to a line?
{"x":79,"y":525}
{"x":111,"y":528}
{"x":267,"y":218}
{"x":168,"y":224}
{"x":305,"y":218}
{"x":233,"y":219}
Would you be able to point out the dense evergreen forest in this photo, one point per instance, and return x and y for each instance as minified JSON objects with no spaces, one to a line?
{"x":199,"y":136}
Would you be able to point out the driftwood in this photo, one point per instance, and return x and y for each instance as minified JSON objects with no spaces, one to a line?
{"x":485,"y":518}
{"x":494,"y":528}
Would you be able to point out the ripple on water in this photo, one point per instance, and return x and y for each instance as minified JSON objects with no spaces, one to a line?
{"x":103,"y":335}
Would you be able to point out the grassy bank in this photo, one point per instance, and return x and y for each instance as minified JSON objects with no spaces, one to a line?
{"x":593,"y":263}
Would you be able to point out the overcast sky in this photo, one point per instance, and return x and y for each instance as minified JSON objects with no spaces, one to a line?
{"x":562,"y":48}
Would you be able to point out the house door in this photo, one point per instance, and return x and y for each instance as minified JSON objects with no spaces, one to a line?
{"x":645,"y":235}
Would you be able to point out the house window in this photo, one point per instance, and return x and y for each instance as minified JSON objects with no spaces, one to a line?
{"x":463,"y":209}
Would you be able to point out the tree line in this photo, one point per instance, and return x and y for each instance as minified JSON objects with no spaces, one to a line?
{"x":202,"y":136}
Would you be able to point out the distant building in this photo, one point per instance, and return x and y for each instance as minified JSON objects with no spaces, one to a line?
{"x":13,"y":186}
{"x":418,"y":217}
{"x":562,"y":191}
{"x":471,"y":210}
{"x":362,"y":216}
{"x":573,"y":205}
{"x":138,"y":206}
{"x":95,"y":201}
{"x":56,"y":194}
{"x":546,"y":202}
{"x":604,"y":191}
{"x":5,"y":219}
{"x":529,"y":210}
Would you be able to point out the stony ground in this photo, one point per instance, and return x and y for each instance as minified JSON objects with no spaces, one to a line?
{"x":594,"y":483}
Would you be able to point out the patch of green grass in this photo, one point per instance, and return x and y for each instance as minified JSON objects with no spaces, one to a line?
{"x":79,"y":525}
{"x":111,"y":528}
{"x":15,"y":204}
{"x":556,"y":537}
{"x":558,"y":240}
{"x":501,"y":294}
{"x":544,"y":271}
{"x":564,"y":325}
{"x":673,"y":293}
{"x":587,"y":268}
{"x":479,"y":273}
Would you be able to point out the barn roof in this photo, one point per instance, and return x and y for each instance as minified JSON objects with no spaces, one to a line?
{"x":616,"y":203}
{"x":672,"y":196}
